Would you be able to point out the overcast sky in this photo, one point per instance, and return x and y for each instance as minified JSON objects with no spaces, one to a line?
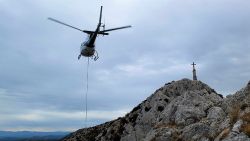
{"x":42,"y":84}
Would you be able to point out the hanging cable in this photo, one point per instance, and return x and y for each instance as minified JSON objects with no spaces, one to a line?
{"x":86,"y":95}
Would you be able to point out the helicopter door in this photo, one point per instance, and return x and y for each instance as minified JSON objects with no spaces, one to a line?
{"x":83,"y":45}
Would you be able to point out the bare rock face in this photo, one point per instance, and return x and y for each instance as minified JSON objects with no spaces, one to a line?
{"x":184,"y":110}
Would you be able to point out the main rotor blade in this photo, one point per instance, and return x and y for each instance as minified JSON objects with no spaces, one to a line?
{"x":100,"y":18}
{"x":92,"y":32}
{"x":54,"y":20}
{"x":116,"y":28}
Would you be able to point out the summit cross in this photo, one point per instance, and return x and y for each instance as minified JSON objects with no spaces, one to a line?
{"x":194,"y":71}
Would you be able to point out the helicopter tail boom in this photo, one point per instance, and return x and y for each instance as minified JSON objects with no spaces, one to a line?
{"x":100,"y":18}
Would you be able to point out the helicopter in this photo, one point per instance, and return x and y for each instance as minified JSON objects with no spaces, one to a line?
{"x":87,"y":48}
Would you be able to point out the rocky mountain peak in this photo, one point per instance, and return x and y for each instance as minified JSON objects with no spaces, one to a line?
{"x":183,"y":110}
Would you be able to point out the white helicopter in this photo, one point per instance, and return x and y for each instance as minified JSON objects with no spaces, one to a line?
{"x":87,"y":48}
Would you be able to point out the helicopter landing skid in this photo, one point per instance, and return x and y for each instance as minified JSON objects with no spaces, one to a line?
{"x":79,"y":56}
{"x":95,"y":56}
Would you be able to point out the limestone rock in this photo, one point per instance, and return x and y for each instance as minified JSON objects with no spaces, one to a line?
{"x":183,"y":110}
{"x":239,"y":137}
{"x":196,"y":132}
{"x":216,"y":114}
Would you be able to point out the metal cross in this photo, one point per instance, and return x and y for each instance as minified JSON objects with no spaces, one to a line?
{"x":193,"y":64}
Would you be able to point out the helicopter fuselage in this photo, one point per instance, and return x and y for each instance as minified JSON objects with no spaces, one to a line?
{"x":87,"y":50}
{"x":88,"y":47}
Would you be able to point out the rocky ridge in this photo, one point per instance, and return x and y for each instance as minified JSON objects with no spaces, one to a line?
{"x":183,"y":110}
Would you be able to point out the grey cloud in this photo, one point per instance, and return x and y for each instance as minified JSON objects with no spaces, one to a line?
{"x":40,"y":70}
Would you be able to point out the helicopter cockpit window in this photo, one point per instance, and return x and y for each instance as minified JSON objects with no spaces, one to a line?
{"x":83,"y":43}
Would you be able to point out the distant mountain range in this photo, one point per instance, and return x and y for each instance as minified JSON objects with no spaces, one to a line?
{"x":31,"y":136}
